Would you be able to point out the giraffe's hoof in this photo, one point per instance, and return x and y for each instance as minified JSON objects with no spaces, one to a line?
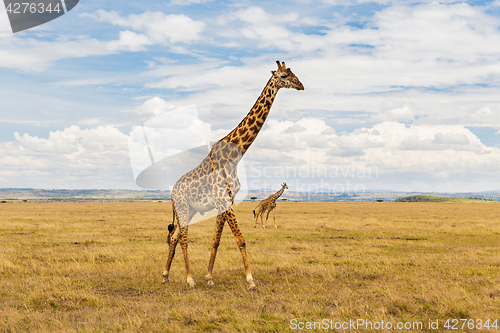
{"x":263,"y":227}
{"x":191,"y":283}
{"x":252,"y":288}
{"x":210,"y":282}
{"x":255,"y":226}
{"x":276,"y":226}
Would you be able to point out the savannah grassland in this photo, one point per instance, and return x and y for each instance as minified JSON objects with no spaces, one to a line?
{"x":96,"y":267}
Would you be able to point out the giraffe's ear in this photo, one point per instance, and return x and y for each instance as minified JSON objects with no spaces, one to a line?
{"x":273,"y":72}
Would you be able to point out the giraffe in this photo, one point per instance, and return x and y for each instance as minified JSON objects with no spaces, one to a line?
{"x":268,"y":205}
{"x":214,"y":183}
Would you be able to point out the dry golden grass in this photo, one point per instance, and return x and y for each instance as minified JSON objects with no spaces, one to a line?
{"x":96,"y":267}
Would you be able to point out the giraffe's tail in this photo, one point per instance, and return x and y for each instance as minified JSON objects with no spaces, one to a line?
{"x":171,"y":226}
{"x":254,"y":214}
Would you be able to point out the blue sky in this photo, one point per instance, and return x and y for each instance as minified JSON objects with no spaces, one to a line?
{"x":407,"y":89}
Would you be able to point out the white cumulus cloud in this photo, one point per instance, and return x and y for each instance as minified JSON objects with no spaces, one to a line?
{"x":157,"y":26}
{"x":71,"y":158}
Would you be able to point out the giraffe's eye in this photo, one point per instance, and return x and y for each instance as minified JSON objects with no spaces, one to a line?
{"x":284,"y":76}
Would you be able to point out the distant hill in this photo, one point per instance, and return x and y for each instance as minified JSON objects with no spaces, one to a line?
{"x":423,"y":198}
{"x":371,"y":196}
{"x":289,"y":195}
{"x":93,"y":194}
{"x":430,"y":198}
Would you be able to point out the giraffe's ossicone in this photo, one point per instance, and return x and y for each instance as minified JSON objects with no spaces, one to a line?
{"x":214,"y":183}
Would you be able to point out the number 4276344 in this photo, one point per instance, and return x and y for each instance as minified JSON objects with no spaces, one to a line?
{"x":458,"y":324}
{"x":32,"y":7}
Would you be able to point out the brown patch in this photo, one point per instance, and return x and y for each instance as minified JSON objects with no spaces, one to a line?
{"x":246,"y":137}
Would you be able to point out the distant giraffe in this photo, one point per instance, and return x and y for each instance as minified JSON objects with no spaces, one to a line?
{"x":268,"y":205}
{"x":214,"y":183}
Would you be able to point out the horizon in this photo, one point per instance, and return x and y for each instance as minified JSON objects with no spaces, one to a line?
{"x":83,"y":195}
{"x":253,"y":190}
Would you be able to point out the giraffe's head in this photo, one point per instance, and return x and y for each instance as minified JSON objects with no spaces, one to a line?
{"x":284,"y":185}
{"x":284,"y":78}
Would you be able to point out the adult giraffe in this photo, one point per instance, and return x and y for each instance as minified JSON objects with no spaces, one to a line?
{"x":214,"y":183}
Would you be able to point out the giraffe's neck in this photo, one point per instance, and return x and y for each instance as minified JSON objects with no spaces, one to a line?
{"x":246,"y":132}
{"x":278,"y":194}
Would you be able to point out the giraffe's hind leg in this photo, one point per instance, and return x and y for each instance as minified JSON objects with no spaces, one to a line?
{"x":274,"y":218}
{"x":183,"y":241}
{"x":173,"y":243}
{"x":182,"y":215}
{"x":215,"y":245}
{"x":259,"y":211}
{"x":240,"y":241}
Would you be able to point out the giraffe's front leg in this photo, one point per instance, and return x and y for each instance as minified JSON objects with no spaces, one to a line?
{"x":215,"y":245}
{"x":262,"y":218}
{"x":267,"y":216}
{"x":240,"y":241}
